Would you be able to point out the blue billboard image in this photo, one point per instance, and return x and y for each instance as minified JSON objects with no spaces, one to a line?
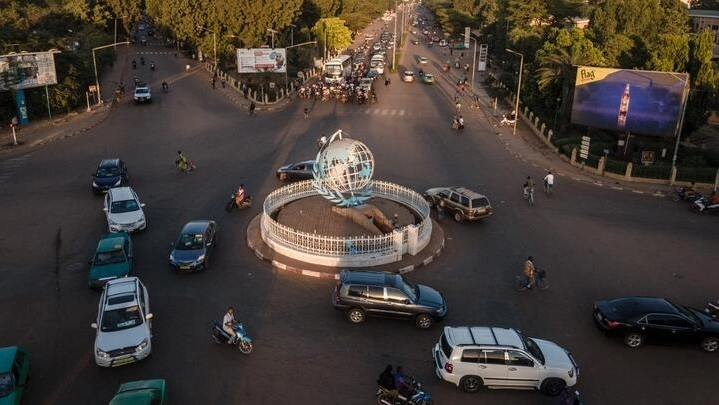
{"x":636,"y":101}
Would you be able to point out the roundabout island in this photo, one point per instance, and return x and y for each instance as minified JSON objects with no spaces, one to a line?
{"x":343,"y":218}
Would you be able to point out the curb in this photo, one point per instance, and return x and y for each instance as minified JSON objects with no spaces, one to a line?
{"x":279,"y":265}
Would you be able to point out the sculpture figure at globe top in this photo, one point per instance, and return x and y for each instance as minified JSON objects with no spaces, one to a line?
{"x":343,"y":171}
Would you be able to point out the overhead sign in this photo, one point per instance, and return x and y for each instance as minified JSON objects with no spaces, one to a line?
{"x":257,"y":60}
{"x":482,"y":57}
{"x":27,"y":70}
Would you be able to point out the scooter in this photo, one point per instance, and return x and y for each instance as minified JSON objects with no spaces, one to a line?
{"x":242,"y":341}
{"x":684,"y":194}
{"x":186,"y":167}
{"x":507,"y":121}
{"x":152,"y":66}
{"x":703,"y":204}
{"x":246,"y":203}
{"x":419,"y":397}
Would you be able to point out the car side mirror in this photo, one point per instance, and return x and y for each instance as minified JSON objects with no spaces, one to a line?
{"x":104,"y":209}
{"x":93,"y":325}
{"x":149,"y":316}
{"x":142,"y":205}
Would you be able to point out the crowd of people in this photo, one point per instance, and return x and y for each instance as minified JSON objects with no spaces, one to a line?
{"x":346,"y":90}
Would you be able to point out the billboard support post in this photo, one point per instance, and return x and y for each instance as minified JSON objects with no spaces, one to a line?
{"x":519,"y":89}
{"x":685,"y":98}
{"x":94,"y":63}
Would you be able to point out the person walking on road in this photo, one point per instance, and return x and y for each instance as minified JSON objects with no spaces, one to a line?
{"x":307,"y":112}
{"x":252,"y":109}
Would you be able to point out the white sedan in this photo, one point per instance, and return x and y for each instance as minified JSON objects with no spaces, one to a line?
{"x":408,"y":76}
{"x":124,"y":210}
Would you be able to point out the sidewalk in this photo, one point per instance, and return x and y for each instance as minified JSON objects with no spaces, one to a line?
{"x":40,"y":132}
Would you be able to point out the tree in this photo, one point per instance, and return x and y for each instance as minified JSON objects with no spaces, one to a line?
{"x":332,"y":34}
{"x":704,"y":80}
{"x":527,"y":21}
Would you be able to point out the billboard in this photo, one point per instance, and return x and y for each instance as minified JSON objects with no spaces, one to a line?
{"x":27,"y":70}
{"x":256,"y":60}
{"x":637,"y":101}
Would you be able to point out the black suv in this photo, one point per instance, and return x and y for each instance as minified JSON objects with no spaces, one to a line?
{"x":362,"y":292}
{"x":109,"y":173}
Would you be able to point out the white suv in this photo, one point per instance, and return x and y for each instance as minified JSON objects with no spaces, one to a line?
{"x":124,"y":328}
{"x":472,"y":357}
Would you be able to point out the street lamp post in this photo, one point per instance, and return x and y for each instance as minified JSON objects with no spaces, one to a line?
{"x":292,"y":34}
{"x":214,"y":46}
{"x":94,"y":63}
{"x":519,"y":89}
{"x":273,"y":32}
{"x":286,"y":61}
{"x":394,"y":48}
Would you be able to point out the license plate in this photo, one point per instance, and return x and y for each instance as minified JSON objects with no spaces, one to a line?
{"x":126,"y":360}
{"x":184,"y":267}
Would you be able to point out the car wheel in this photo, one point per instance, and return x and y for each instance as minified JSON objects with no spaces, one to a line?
{"x":710,"y":344}
{"x":423,"y":321}
{"x":552,"y":386}
{"x":283,"y":176}
{"x":470,"y":383}
{"x":458,"y":216}
{"x":633,"y":340}
{"x":356,"y":315}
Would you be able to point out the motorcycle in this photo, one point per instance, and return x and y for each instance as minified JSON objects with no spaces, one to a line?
{"x":142,"y":61}
{"x":164,"y":87}
{"x":703,"y":204}
{"x":712,"y":309}
{"x":685,"y":194}
{"x":134,"y":64}
{"x":419,"y":397}
{"x":243,"y":340}
{"x":152,"y":66}
{"x":185,"y":166}
{"x":507,"y":120}
{"x":246,"y":203}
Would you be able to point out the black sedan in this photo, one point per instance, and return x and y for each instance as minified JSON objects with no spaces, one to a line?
{"x":109,"y":173}
{"x":194,"y":246}
{"x":640,"y":319}
{"x":296,"y":171}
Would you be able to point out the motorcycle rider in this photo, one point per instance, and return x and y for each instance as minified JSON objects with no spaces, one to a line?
{"x":530,"y":271}
{"x":548,"y":181}
{"x":240,"y":195}
{"x":386,"y":380}
{"x":164,"y":86}
{"x":403,"y":383}
{"x":528,"y":187}
{"x":228,"y":324}
{"x":152,"y":66}
{"x":182,"y":161}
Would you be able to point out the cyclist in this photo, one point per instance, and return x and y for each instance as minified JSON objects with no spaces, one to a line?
{"x":530,"y":272}
{"x":548,"y":182}
{"x":529,"y":189}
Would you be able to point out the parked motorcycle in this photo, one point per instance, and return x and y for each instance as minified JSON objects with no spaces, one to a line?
{"x":685,"y":194}
{"x":419,"y":397}
{"x":152,"y":66}
{"x":712,"y":309}
{"x":185,"y":166}
{"x":703,"y":204}
{"x":246,"y":203}
{"x":243,"y":340}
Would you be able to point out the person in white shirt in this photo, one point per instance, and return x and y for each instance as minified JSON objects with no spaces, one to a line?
{"x":548,"y":182}
{"x":228,"y":324}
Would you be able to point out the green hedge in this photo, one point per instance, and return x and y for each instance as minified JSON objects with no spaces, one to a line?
{"x":699,"y":175}
{"x":651,"y":172}
{"x":615,"y":166}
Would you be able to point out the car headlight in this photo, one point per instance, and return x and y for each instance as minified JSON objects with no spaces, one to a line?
{"x":117,"y":183}
{"x":101,"y":354}
{"x":200,"y":259}
{"x":141,"y":346}
{"x":111,"y":222}
{"x":94,"y":184}
{"x":172,"y":257}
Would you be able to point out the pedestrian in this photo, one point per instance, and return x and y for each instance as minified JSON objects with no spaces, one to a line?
{"x":440,"y":210}
{"x":386,"y":81}
{"x":213,"y":82}
{"x":223,"y":82}
{"x":252,"y":108}
{"x":307,"y":112}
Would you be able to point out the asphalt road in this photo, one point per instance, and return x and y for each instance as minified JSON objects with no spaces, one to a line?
{"x":594,"y":243}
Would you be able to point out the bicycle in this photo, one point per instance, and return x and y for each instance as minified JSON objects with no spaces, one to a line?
{"x":521,"y":282}
{"x":529,"y":195}
{"x":547,"y":188}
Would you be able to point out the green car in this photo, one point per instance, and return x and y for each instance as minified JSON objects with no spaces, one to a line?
{"x":427,"y":78}
{"x":14,"y":373}
{"x":143,"y":392}
{"x":113,"y":259}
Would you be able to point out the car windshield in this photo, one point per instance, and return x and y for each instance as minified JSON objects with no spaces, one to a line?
{"x":190,"y":241}
{"x":7,"y":384}
{"x":142,"y":91}
{"x":115,"y":256}
{"x":105,"y":172}
{"x":119,"y":319}
{"x":533,"y":348}
{"x":124,"y":206}
{"x":408,"y":288}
